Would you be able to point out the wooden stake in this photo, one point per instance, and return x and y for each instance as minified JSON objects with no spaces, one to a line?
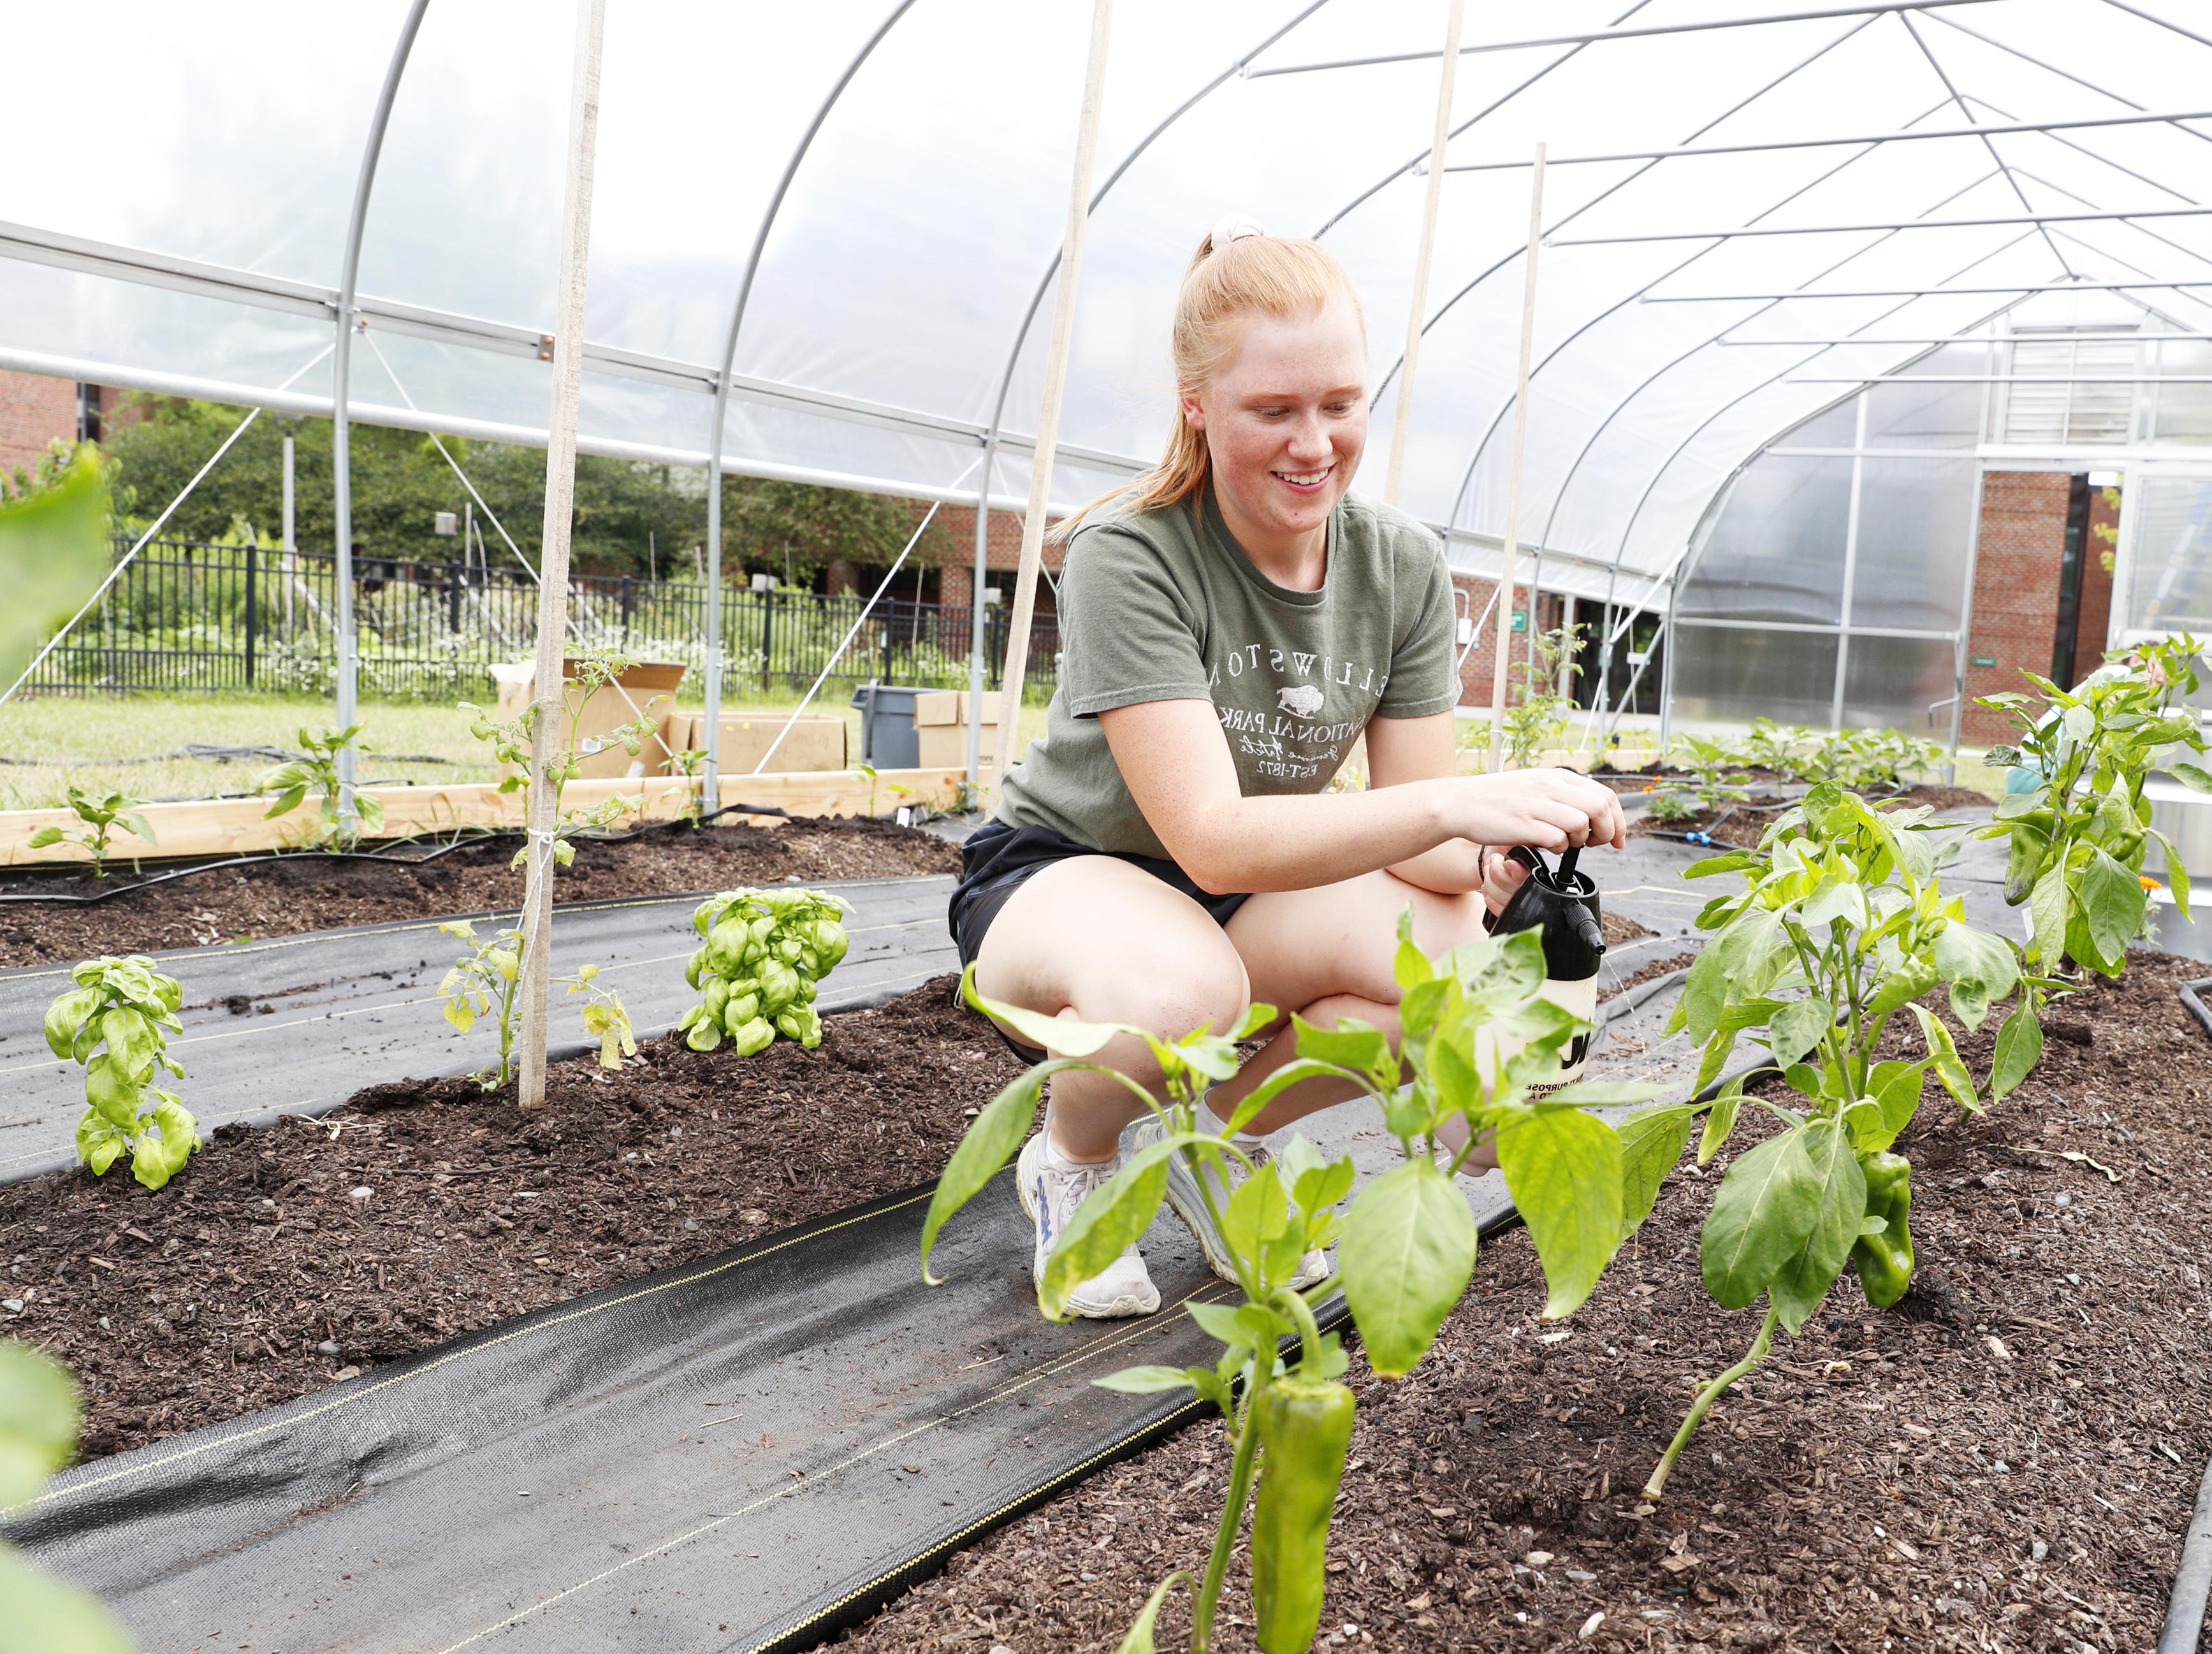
{"x":1402,"y":418}
{"x":553,"y":557}
{"x":1055,"y":379}
{"x":1511,"y":550}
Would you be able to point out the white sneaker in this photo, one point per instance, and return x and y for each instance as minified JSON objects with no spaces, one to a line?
{"x":1050,"y":1196}
{"x":1183,"y":1195}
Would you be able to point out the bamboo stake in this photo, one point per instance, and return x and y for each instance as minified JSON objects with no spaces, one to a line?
{"x":1510,"y":550}
{"x":553,"y":555}
{"x":1055,"y":379}
{"x":1401,"y":418}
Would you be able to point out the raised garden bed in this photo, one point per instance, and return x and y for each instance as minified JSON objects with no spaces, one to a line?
{"x":2007,"y":1459}
{"x":211,"y":1298}
{"x":284,"y":896}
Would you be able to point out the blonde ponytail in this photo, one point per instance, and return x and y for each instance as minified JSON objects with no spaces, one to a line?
{"x":1238,"y":270}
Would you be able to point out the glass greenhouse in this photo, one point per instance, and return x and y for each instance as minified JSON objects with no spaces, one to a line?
{"x":1814,"y":277}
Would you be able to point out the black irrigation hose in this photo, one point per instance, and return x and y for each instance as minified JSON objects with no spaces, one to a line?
{"x":388,"y":858}
{"x":2192,"y":1576}
{"x":2196,"y":1005}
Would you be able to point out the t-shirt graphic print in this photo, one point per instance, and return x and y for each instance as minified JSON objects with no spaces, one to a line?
{"x":1165,"y":606}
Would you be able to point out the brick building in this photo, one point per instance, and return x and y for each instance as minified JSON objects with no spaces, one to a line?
{"x":2043,"y":585}
{"x":36,"y":411}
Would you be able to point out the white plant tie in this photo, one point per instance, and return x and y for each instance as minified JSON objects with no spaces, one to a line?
{"x":1231,"y":226}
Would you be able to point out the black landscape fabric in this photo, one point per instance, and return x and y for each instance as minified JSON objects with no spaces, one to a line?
{"x":745,"y":1454}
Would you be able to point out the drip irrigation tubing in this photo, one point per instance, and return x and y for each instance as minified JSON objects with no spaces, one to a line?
{"x":2192,"y":1575}
{"x":2195,"y":1008}
{"x":402,"y":855}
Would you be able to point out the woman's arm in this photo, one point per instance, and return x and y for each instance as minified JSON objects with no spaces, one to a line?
{"x":1176,"y":764}
{"x":1401,"y":750}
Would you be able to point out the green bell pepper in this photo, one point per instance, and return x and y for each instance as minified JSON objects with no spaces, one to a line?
{"x":1305,"y":1427}
{"x":1884,"y":1260}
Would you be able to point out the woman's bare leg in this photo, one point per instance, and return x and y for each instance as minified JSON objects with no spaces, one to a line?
{"x":1094,"y":938}
{"x":1326,"y":954}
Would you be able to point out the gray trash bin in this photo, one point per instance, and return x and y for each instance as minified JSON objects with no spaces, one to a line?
{"x":887,"y":736}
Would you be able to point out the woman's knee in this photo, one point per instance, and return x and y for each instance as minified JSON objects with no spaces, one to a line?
{"x":1170,"y":996}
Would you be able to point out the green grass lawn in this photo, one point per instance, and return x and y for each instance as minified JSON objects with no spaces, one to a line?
{"x":126,"y":743}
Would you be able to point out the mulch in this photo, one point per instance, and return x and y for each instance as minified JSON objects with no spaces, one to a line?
{"x":284,"y":896}
{"x":278,"y":1260}
{"x":2006,"y":1460}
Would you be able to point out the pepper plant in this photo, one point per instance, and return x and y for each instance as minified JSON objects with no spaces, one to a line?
{"x":1713,"y":777}
{"x":1533,"y":719}
{"x":317,"y":771}
{"x":1840,"y":927}
{"x":1476,"y":1037}
{"x":112,"y":1022}
{"x":101,"y":815}
{"x":485,"y":981}
{"x":2079,"y":838}
{"x":763,"y":952}
{"x":38,"y":1417}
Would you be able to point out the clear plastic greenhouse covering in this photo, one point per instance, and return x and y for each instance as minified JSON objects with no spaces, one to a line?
{"x":859,"y":204}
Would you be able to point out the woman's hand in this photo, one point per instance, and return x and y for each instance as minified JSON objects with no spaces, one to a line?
{"x":1501,"y":877}
{"x":1546,"y":809}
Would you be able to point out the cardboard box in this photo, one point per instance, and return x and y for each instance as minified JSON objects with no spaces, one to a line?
{"x":817,"y":741}
{"x":606,"y":708}
{"x":940,"y":728}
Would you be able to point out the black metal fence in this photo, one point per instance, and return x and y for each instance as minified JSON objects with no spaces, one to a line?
{"x":190,"y":616}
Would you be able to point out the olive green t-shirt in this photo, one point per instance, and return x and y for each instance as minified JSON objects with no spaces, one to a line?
{"x":1165,"y":606}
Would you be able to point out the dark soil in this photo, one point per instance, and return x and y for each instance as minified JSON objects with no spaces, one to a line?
{"x":1646,"y":972}
{"x":210,"y":1298}
{"x":2006,"y":1461}
{"x":285,"y":895}
{"x":1741,"y":825}
{"x":1619,"y":927}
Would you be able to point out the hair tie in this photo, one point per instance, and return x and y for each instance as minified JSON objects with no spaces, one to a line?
{"x":1233,"y":227}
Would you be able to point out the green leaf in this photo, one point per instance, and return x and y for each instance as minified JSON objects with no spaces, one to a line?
{"x":38,"y":1420}
{"x":1979,"y":968}
{"x":2049,"y":906}
{"x":1803,"y":1281}
{"x":1409,"y":966}
{"x":1108,"y":1222}
{"x":1138,"y":1638}
{"x":1763,"y":1209}
{"x":1896,"y":1087}
{"x":66,"y":1015}
{"x":1407,"y":1252}
{"x":98,"y":1141}
{"x":1651,"y":1144}
{"x":45,"y":836}
{"x":2190,"y":775}
{"x":2177,"y":875}
{"x":2112,"y":901}
{"x":998,"y":1131}
{"x":1150,"y":1380}
{"x":1721,"y":1121}
{"x":111,"y":1093}
{"x":1601,"y":1094}
{"x":159,"y":1150}
{"x":2020,"y":1047}
{"x":1063,"y":1035}
{"x":130,"y":1039}
{"x":1944,"y":1056}
{"x":49,"y":1615}
{"x":1353,"y":1044}
{"x":1798,"y":1026}
{"x":1564,"y":1169}
{"x":1219,"y":1322}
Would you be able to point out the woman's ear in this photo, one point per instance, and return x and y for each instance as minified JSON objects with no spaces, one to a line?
{"x":1193,"y":414}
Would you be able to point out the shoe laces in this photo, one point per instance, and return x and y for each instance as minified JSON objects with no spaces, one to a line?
{"x":1068,"y":1189}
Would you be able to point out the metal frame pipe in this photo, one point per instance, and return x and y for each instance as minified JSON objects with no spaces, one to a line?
{"x":1686,"y":151}
{"x":710,"y":766}
{"x":1999,"y":222}
{"x":2085,"y":284}
{"x":341,"y":389}
{"x":1594,"y":37}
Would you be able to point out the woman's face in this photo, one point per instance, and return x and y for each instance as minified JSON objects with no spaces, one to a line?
{"x":1286,"y":420}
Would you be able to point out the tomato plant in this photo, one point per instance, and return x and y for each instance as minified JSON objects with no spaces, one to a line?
{"x":1840,"y":927}
{"x":484,"y":981}
{"x":101,"y":815}
{"x":1534,"y":720}
{"x":763,"y":954}
{"x":588,"y":672}
{"x":317,"y":771}
{"x":112,"y":1022}
{"x":1477,"y":1035}
{"x":2079,"y":838}
{"x":39,"y":1415}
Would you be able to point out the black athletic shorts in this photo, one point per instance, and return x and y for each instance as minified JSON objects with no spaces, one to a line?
{"x":997,"y":858}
